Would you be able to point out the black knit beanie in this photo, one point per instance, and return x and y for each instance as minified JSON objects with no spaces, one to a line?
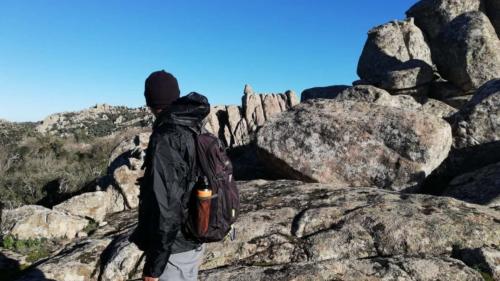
{"x":161,"y":89}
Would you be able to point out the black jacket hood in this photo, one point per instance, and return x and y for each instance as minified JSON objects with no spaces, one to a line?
{"x":189,"y":110}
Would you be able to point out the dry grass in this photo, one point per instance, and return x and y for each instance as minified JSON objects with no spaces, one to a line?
{"x":30,"y":169}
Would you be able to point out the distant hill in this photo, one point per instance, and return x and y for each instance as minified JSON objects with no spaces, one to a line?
{"x":98,"y":121}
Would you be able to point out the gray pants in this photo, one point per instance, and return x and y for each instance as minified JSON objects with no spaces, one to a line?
{"x":183,"y":266}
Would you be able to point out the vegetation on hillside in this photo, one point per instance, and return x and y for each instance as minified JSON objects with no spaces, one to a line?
{"x":44,"y":169}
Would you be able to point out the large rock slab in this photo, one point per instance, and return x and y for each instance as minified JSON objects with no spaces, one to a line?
{"x":410,"y":74}
{"x":328,"y":92}
{"x":295,"y":222}
{"x":120,"y":259}
{"x":432,"y":15}
{"x":480,"y":187}
{"x":94,"y":205}
{"x":468,"y":51}
{"x":386,"y":50}
{"x":292,"y":226}
{"x":478,"y":122}
{"x":378,"y":268}
{"x":368,"y":93}
{"x":77,"y":262}
{"x":33,"y":221}
{"x":355,"y":144}
{"x":372,"y":94}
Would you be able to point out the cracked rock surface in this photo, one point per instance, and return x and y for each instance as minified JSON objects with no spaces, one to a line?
{"x":291,"y":230}
{"x":355,"y":144}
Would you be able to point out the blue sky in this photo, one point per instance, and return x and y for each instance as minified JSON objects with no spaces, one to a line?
{"x":67,"y":55}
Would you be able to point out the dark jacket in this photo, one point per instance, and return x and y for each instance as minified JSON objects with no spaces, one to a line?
{"x":165,"y":189}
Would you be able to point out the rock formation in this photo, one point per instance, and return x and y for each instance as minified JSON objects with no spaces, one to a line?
{"x":432,"y":15}
{"x":478,"y":122}
{"x":37,"y":221}
{"x":372,"y":94}
{"x":481,"y":186}
{"x":396,"y":57}
{"x":423,"y":118}
{"x":298,"y":230}
{"x":467,"y":51}
{"x":235,"y":125}
{"x":100,"y":120}
{"x":329,"y":92}
{"x":355,"y":144}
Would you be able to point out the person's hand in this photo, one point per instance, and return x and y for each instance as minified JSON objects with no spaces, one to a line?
{"x":150,"y":279}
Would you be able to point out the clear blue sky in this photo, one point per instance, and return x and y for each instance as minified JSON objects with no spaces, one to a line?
{"x":67,"y":55}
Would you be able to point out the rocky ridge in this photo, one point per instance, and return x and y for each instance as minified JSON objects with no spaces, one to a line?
{"x":357,"y":161}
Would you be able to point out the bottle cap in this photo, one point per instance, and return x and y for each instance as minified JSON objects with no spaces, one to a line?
{"x":203,"y":193}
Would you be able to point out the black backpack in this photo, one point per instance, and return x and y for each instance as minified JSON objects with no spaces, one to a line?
{"x":224,"y":204}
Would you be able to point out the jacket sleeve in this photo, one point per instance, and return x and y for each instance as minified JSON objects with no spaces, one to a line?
{"x":167,"y":174}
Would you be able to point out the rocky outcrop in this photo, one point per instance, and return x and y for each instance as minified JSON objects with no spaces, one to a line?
{"x":121,"y":258}
{"x":372,"y":94}
{"x":396,"y":57}
{"x":126,"y":179}
{"x":93,"y":205}
{"x":355,"y":144}
{"x":125,"y":167}
{"x":236,"y":125}
{"x":481,"y":186}
{"x":76,"y":262}
{"x":329,"y":92}
{"x":432,"y":15}
{"x":217,"y":124}
{"x":289,"y":229}
{"x":365,"y":93}
{"x":129,"y":149}
{"x":33,"y":221}
{"x":408,"y":75}
{"x":100,"y":120}
{"x":377,"y":268}
{"x":260,"y":107}
{"x":467,"y":51}
{"x":478,"y":122}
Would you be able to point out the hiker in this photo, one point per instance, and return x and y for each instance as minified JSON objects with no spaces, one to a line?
{"x":171,"y":255}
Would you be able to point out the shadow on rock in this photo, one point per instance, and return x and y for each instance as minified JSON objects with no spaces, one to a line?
{"x":458,"y":162}
{"x":248,"y":165}
{"x":10,"y":269}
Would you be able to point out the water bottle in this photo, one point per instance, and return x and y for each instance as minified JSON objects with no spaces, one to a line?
{"x":204,"y":196}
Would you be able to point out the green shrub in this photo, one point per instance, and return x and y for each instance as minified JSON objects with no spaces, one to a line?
{"x":91,"y":227}
{"x":8,"y":242}
{"x":34,"y":249}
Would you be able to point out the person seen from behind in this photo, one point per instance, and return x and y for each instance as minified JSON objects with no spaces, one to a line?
{"x":170,"y":163}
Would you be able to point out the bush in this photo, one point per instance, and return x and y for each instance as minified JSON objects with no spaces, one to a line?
{"x":34,"y":249}
{"x":31,"y":169}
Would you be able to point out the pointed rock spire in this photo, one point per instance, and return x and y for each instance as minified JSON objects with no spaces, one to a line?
{"x":248,"y":90}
